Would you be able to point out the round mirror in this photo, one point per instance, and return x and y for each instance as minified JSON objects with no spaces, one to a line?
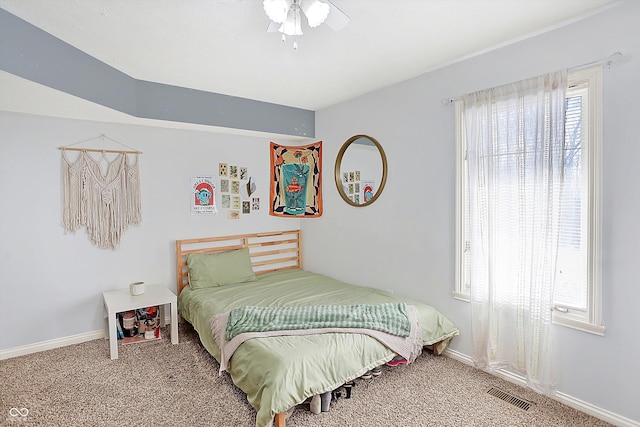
{"x":361,"y":170}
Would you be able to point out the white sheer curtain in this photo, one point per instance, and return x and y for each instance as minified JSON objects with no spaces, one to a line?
{"x":515,"y":137}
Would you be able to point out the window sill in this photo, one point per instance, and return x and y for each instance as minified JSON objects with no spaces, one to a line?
{"x":462,"y":297}
{"x":559,"y":319}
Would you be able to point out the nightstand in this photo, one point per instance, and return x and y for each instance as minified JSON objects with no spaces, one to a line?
{"x":121,"y":300}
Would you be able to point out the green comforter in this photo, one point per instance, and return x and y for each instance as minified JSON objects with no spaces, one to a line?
{"x":279,"y":372}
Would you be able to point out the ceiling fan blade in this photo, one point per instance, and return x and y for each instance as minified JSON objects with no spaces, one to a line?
{"x":337,"y":19}
{"x":273,"y":27}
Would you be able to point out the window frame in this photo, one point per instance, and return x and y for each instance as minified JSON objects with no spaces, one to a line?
{"x":591,"y":320}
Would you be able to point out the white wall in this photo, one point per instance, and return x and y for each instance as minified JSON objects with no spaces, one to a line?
{"x":51,"y":283}
{"x":405,"y":240}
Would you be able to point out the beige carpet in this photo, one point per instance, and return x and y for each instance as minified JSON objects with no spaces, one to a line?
{"x":159,"y":384}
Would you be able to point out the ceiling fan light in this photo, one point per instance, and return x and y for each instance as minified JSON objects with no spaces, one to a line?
{"x":315,"y":11}
{"x":277,"y":10}
{"x":292,"y":26}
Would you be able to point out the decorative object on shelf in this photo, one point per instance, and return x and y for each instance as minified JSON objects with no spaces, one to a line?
{"x":296,"y":184}
{"x":286,"y":18}
{"x":136,"y":288}
{"x":129,"y":321}
{"x":105,"y":203}
{"x":140,"y":324}
{"x":148,"y":322}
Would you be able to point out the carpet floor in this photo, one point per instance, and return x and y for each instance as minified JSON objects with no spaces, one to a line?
{"x":159,"y":384}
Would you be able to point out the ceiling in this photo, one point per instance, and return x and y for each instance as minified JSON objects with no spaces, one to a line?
{"x":222,"y":46}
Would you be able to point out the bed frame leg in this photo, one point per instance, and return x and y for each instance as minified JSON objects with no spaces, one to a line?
{"x":280,"y":419}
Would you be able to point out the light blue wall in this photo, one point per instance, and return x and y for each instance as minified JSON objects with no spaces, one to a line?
{"x":405,"y":241}
{"x":51,"y":283}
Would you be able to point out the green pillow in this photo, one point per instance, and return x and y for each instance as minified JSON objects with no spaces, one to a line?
{"x":219,"y":269}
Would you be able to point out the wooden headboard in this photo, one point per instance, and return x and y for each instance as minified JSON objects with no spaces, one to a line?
{"x":273,"y":251}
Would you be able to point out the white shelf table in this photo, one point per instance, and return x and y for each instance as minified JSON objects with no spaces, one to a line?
{"x":121,"y":300}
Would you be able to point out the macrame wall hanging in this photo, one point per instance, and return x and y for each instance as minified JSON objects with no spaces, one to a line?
{"x":104,"y":200}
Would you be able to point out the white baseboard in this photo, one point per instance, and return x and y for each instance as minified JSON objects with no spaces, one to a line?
{"x":582,"y":406}
{"x":57,"y":343}
{"x":51,"y":344}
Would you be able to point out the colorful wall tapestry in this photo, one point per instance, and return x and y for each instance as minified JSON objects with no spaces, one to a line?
{"x":296,"y":181}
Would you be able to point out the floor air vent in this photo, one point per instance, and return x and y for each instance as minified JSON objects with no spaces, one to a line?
{"x":509,"y":398}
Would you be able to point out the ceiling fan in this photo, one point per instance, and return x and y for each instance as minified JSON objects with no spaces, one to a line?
{"x":286,"y":16}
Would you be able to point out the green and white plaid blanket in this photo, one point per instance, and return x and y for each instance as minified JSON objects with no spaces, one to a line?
{"x":391,"y":318}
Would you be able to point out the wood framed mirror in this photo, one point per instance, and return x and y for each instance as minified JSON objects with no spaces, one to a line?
{"x":361,"y":170}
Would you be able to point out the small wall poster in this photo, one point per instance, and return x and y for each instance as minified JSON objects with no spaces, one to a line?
{"x":203,"y":198}
{"x":368,"y":190}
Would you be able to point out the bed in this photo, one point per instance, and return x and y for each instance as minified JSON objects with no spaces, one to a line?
{"x":219,"y":275}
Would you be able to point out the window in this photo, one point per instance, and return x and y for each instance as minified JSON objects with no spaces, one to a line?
{"x":577,"y":296}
